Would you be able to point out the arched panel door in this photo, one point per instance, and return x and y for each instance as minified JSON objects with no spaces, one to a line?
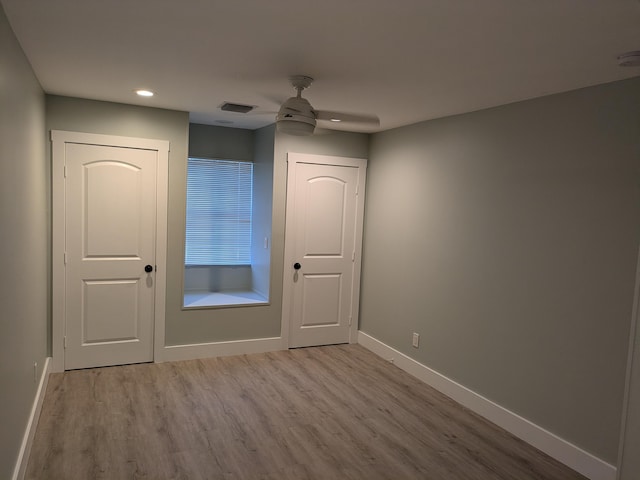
{"x":109,"y":209}
{"x":323,"y":243}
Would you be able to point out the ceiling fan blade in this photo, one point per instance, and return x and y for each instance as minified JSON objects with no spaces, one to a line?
{"x":263,"y":112}
{"x":274,"y":99}
{"x":338,"y":117}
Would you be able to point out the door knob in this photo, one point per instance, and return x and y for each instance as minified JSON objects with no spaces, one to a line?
{"x":148,"y":268}
{"x":297,"y":266}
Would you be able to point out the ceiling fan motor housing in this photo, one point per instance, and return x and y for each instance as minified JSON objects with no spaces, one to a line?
{"x":296,"y":117}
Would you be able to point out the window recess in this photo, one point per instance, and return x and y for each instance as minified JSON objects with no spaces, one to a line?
{"x":218,"y":237}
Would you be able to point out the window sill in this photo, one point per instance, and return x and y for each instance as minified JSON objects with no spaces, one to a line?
{"x":234,"y":298}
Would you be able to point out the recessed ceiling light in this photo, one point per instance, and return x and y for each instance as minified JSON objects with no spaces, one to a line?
{"x":144,"y":93}
{"x":336,"y":120}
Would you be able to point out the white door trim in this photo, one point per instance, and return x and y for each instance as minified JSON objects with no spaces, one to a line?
{"x":59,"y":139}
{"x":289,"y":259}
{"x":631,"y":382}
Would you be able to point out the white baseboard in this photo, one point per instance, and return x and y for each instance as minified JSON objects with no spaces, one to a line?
{"x":219,"y":349}
{"x":27,"y":441}
{"x":554,"y":446}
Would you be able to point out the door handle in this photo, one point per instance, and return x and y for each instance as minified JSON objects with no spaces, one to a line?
{"x":297,"y":266}
{"x":148,"y":268}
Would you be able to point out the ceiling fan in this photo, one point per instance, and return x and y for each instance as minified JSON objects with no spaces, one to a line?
{"x":298,"y":117}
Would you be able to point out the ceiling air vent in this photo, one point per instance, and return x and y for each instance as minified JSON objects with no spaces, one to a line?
{"x":236,"y":107}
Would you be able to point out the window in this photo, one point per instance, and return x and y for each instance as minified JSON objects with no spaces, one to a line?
{"x":219,"y":200}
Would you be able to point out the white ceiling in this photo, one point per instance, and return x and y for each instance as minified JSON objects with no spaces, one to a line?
{"x":404,"y":60}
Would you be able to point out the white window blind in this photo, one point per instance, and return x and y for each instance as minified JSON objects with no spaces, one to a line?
{"x":219,"y":197}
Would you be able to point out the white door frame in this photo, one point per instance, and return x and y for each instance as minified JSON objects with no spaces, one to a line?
{"x":59,"y":140}
{"x":628,"y":434}
{"x":287,"y":287}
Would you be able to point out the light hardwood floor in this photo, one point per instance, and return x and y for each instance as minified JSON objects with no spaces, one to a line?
{"x":336,"y":412}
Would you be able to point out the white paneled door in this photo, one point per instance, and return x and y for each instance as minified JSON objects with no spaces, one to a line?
{"x":110,"y":254}
{"x":325,"y":200}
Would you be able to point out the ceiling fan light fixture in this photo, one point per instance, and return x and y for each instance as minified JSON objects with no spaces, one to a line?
{"x":295,"y":127}
{"x":296,"y":117}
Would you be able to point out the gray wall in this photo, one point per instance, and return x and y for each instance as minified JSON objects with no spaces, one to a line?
{"x":629,"y":458}
{"x":209,"y":141}
{"x":508,"y":239}
{"x":24,"y":285}
{"x":262,"y":208}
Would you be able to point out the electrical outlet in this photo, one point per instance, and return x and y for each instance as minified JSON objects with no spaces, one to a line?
{"x":416,"y":340}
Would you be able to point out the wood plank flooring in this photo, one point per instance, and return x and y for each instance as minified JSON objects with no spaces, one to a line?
{"x":336,"y":412}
